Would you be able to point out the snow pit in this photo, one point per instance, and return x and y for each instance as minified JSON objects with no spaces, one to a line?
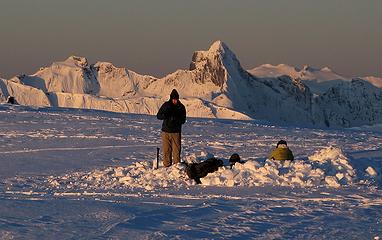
{"x":328,"y":167}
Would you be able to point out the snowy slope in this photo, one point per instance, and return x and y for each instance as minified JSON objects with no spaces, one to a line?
{"x":269,"y":70}
{"x":71,"y":75}
{"x":376,"y":81}
{"x":88,"y":174}
{"x":352,"y":103}
{"x":119,"y":82}
{"x":24,"y":94}
{"x":306,"y":73}
{"x":75,"y":75}
{"x":318,"y":80}
{"x":215,"y":86}
{"x":338,"y":101}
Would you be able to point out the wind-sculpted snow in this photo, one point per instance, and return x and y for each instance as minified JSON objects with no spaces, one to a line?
{"x":328,"y":167}
{"x":298,"y":173}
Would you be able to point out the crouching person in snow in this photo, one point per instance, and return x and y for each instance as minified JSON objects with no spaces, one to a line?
{"x":197,"y":171}
{"x":11,"y":100}
{"x":235,"y":158}
{"x":173,"y":114}
{"x":281,"y":152}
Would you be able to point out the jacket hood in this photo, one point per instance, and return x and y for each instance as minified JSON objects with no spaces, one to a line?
{"x":174,"y":94}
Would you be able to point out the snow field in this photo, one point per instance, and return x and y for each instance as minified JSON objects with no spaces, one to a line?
{"x":69,"y":174}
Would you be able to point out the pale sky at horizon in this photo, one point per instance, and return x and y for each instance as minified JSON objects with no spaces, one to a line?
{"x":158,"y":37}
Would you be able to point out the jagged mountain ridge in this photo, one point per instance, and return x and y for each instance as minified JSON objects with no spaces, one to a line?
{"x":305,"y":73}
{"x":319,"y":80}
{"x":214,"y":86}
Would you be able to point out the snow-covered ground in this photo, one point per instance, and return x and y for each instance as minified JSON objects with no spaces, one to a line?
{"x":69,"y":173}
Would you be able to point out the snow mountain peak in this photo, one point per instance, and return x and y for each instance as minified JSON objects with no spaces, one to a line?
{"x":218,"y":64}
{"x":218,"y":46}
{"x":106,"y":67}
{"x":308,"y":68}
{"x":326,"y":69}
{"x":76,"y":61}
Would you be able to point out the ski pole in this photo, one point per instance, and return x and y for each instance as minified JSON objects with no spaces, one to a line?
{"x":157,"y":165}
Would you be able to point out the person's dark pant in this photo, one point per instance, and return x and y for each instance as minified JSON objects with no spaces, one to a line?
{"x":171,"y":148}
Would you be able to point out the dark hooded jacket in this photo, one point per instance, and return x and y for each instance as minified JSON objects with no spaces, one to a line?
{"x":173,"y":115}
{"x":197,"y":171}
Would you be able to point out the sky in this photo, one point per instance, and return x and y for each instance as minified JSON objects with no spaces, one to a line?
{"x":157,"y":37}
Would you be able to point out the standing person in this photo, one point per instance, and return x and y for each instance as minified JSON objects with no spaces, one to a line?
{"x":173,"y":114}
